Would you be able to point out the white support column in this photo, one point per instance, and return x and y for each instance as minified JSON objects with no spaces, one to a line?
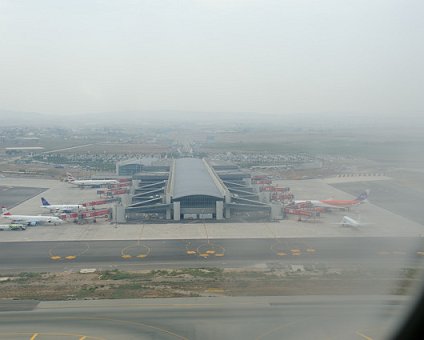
{"x":134,"y":185}
{"x":125,"y":200}
{"x":177,"y":211}
{"x":276,"y":212}
{"x":227,"y":213}
{"x":118,"y":214}
{"x":219,"y":210}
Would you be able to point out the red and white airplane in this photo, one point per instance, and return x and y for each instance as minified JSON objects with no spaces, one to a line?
{"x":340,"y":204}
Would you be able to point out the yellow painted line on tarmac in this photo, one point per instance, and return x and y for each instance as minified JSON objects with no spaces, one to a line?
{"x":208,"y":249}
{"x":123,"y":251}
{"x":124,"y":254}
{"x":86,"y":249}
{"x":295,"y":250}
{"x":310,"y":250}
{"x":191,"y":252}
{"x":278,"y":249}
{"x":296,"y":254}
{"x":52,"y":256}
{"x":222,"y":253}
{"x":69,"y":257}
{"x":363,"y":336}
{"x":139,"y":324}
{"x":33,"y":336}
{"x":83,"y":338}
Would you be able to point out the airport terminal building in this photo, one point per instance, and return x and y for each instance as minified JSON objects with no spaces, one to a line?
{"x":193,"y":189}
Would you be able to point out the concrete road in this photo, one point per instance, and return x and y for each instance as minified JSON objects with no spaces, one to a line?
{"x":304,"y":317}
{"x":58,"y":256}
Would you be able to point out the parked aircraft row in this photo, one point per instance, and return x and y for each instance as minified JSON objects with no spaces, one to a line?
{"x":30,"y":220}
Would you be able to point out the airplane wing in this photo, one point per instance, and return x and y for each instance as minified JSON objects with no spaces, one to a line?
{"x":360,"y":224}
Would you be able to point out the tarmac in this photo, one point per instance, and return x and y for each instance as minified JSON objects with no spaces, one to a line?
{"x":388,"y":254}
{"x":384,"y":223}
{"x":390,"y":194}
{"x":273,"y":317}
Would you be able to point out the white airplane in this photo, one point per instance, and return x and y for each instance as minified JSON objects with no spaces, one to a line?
{"x":90,"y":182}
{"x":65,"y":208}
{"x":31,"y":220}
{"x":350,"y":222}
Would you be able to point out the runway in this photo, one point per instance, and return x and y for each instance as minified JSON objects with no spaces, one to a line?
{"x":304,"y":317}
{"x":59,"y":256}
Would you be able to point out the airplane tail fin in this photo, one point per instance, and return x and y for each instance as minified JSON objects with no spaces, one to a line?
{"x":5,"y":212}
{"x":44,"y":201}
{"x":363,"y":196}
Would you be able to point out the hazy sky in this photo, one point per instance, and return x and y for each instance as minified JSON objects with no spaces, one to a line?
{"x":279,"y":57}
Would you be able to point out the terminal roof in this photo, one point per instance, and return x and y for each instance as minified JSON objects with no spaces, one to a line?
{"x":192,"y":177}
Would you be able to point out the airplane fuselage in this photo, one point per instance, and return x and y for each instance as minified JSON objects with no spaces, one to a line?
{"x":32,"y":220}
{"x":340,"y":204}
{"x":64,"y":207}
{"x":94,"y":182}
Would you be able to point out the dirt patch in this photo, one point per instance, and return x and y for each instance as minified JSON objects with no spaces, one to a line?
{"x":192,"y":282}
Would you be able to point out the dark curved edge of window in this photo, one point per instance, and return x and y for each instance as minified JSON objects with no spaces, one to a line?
{"x":413,"y":327}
